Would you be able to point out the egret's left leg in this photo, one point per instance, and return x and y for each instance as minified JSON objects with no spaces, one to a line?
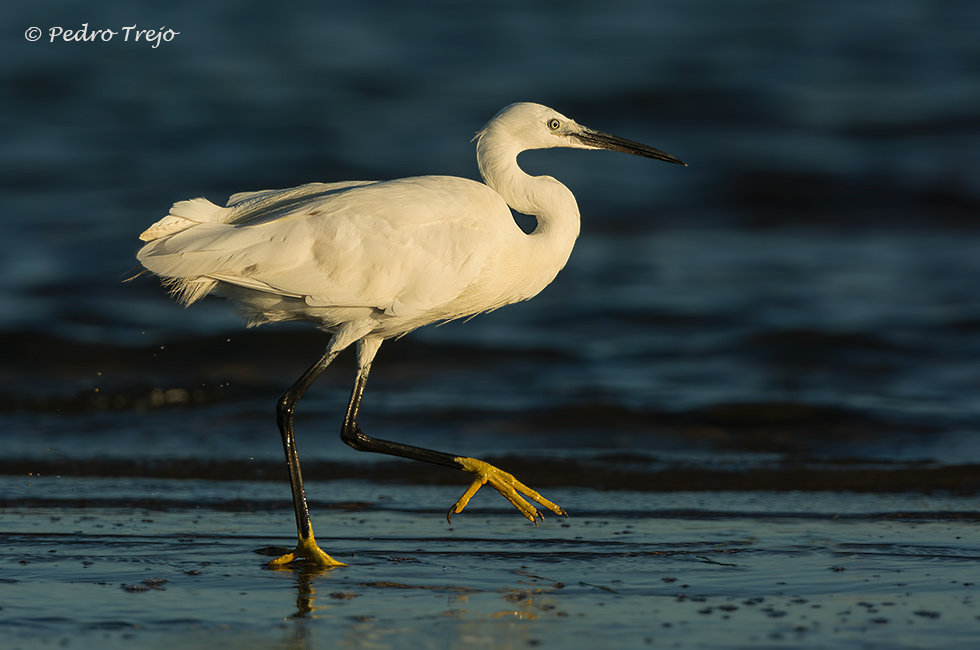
{"x":505,"y":483}
{"x":306,"y":547}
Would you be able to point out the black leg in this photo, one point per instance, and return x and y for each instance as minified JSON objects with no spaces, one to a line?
{"x":285,"y":408}
{"x":505,"y":483}
{"x":351,"y":433}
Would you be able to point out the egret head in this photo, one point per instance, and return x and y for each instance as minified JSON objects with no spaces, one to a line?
{"x":533,"y":126}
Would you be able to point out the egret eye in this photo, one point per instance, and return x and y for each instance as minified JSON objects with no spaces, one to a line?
{"x":554,"y":124}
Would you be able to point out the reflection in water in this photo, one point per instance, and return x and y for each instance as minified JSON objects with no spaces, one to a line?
{"x":305,"y":573}
{"x":300,"y":635}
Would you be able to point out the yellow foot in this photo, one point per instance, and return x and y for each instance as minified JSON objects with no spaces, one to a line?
{"x":507,"y":485}
{"x":307,"y":549}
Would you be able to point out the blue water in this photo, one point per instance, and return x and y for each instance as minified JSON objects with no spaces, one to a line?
{"x":807,"y":287}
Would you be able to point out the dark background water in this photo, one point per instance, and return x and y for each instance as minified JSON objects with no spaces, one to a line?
{"x":807,"y":290}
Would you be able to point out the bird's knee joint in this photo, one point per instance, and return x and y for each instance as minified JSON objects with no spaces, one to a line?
{"x":285,"y":406}
{"x":355,"y":438}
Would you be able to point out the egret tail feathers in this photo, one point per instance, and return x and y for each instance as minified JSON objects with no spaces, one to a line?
{"x":184,"y":215}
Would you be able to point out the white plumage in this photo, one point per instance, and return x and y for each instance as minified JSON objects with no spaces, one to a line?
{"x":371,"y":260}
{"x":395,"y":250}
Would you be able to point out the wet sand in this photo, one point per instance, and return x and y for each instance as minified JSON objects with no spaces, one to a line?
{"x":631,"y":569}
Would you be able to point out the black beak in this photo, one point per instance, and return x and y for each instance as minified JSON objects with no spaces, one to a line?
{"x":605,"y":141}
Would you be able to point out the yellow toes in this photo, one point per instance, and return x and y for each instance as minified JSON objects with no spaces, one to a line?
{"x":307,"y":549}
{"x":507,"y":485}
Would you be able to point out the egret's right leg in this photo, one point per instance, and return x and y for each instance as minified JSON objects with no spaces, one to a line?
{"x":508,"y":486}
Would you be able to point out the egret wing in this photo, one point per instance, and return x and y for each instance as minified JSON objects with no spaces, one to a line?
{"x":403,"y":246}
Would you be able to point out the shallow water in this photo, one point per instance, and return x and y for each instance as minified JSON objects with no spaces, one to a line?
{"x":758,"y":569}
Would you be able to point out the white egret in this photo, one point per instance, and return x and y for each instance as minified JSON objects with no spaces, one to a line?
{"x":371,"y":260}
